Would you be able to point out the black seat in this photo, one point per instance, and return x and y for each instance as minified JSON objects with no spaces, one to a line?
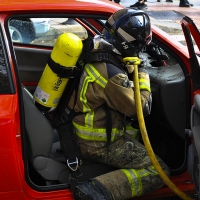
{"x":43,"y":143}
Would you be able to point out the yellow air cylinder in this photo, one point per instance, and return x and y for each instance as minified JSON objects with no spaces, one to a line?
{"x":65,"y":53}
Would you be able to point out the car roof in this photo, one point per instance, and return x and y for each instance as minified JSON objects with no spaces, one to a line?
{"x":91,"y":6}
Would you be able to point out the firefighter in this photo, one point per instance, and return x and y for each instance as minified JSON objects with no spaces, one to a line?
{"x":105,"y":98}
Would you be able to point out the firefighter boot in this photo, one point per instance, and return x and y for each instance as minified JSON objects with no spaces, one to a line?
{"x":88,"y":191}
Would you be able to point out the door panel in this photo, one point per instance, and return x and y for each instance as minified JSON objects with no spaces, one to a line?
{"x":31,"y":63}
{"x":191,"y":32}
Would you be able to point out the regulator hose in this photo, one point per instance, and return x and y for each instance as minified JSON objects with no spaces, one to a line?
{"x":169,"y":183}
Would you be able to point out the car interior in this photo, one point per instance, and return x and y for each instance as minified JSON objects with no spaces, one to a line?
{"x":45,"y":162}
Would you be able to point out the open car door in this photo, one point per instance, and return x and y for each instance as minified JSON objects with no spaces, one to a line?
{"x":192,"y":35}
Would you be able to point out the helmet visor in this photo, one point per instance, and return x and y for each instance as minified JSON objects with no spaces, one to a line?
{"x":144,"y":27}
{"x":136,"y":26}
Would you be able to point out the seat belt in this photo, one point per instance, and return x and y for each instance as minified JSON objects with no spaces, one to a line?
{"x":71,"y":151}
{"x":61,"y":119}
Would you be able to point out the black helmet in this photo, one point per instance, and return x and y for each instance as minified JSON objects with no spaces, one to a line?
{"x":128,"y":30}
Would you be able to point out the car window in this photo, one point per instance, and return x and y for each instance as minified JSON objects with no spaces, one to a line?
{"x":43,"y":31}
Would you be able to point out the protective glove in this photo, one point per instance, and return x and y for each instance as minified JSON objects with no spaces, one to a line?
{"x":130,"y":68}
{"x":144,"y":82}
{"x":130,"y":62}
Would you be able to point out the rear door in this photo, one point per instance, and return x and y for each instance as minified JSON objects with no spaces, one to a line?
{"x":10,"y":179}
{"x":192,"y":36}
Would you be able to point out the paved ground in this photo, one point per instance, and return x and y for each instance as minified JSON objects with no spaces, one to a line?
{"x":170,"y":11}
{"x":175,"y":10}
{"x":167,"y":15}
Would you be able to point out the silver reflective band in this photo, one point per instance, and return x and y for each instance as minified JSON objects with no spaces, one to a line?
{"x":125,"y":35}
{"x":111,"y":20}
{"x":101,"y":43}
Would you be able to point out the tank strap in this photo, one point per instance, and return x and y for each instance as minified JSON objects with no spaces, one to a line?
{"x":104,"y":56}
{"x":62,"y":113}
{"x":63,"y":72}
{"x":101,"y":55}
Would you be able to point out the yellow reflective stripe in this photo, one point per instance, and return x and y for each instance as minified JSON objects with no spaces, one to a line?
{"x":144,"y":172}
{"x":133,"y":132}
{"x":144,"y":84}
{"x":97,"y":134}
{"x":89,"y":118}
{"x":93,"y":76}
{"x":153,"y":170}
{"x":139,"y":181}
{"x":96,"y":75}
{"x":131,"y":128}
{"x":143,"y":87}
{"x":131,"y":182}
{"x":134,"y":181}
{"x":83,"y":98}
{"x":142,"y":80}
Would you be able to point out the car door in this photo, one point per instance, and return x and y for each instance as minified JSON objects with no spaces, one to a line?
{"x":192,"y":36}
{"x":31,"y":57}
{"x":9,"y":124}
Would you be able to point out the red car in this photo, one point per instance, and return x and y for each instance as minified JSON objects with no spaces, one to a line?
{"x":32,"y":165}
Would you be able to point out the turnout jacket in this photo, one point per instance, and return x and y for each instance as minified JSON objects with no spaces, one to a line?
{"x":101,"y":84}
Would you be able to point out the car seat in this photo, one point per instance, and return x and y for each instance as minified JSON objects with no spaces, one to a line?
{"x":43,"y":145}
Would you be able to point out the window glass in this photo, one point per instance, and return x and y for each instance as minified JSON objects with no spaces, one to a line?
{"x":43,"y":31}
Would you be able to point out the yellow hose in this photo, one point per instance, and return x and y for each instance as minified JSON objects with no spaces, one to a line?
{"x":147,"y":143}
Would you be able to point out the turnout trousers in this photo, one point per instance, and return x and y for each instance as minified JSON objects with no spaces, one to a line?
{"x":136,"y":175}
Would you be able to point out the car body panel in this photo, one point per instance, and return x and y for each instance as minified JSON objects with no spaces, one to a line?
{"x":191,"y":32}
{"x":49,"y":5}
{"x":9,"y":132}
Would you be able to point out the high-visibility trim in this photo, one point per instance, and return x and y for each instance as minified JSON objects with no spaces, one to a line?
{"x":93,"y":76}
{"x":89,"y":118}
{"x":133,"y":132}
{"x":139,"y":181}
{"x":131,"y":128}
{"x":97,"y":134}
{"x":134,"y":181}
{"x":131,"y":182}
{"x":96,"y":75}
{"x":144,"y":172}
{"x":83,"y":98}
{"x":144,"y":84}
{"x":153,"y":170}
